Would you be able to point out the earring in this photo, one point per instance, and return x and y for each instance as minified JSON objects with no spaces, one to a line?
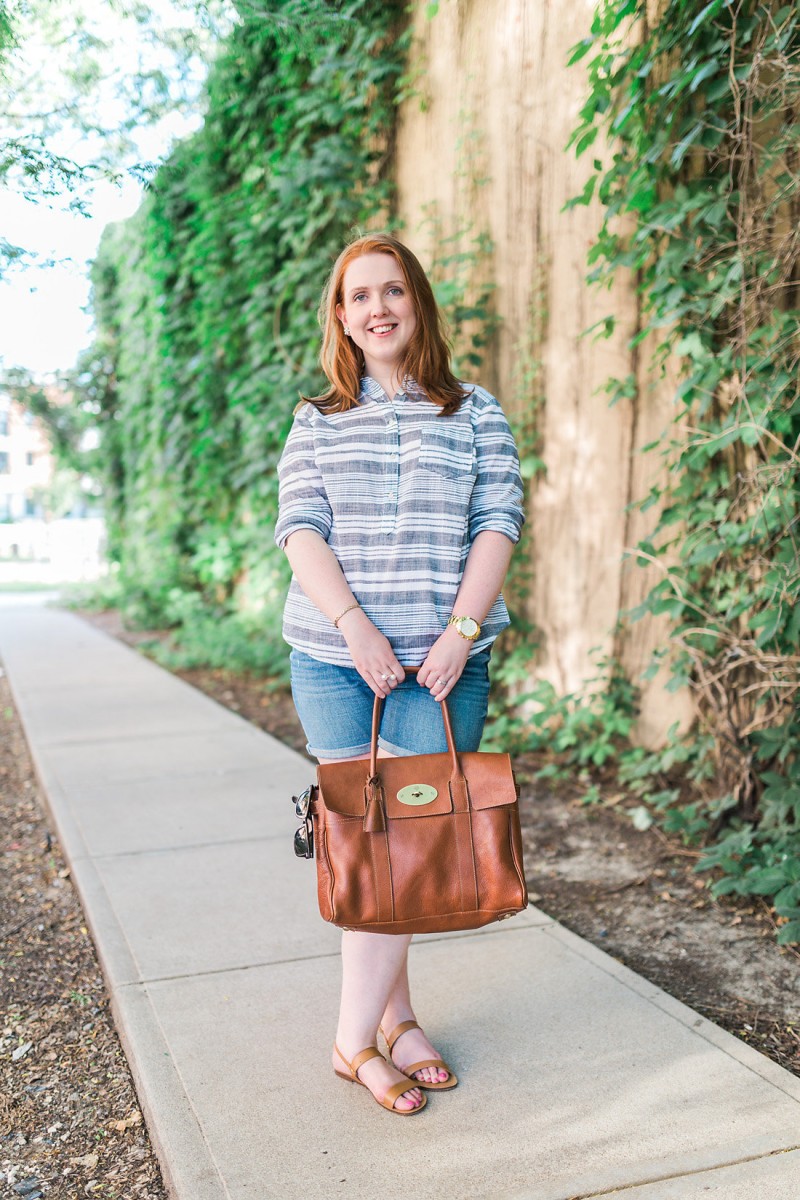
{"x":347,"y":331}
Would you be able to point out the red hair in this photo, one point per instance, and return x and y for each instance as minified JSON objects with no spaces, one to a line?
{"x":427,"y":356}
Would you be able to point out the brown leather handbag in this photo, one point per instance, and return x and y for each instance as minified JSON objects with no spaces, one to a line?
{"x":422,"y":844}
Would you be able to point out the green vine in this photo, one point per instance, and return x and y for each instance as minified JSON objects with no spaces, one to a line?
{"x":206,"y":305}
{"x":701,"y":200}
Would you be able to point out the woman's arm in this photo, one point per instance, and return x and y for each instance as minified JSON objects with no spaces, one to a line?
{"x":495,"y":520}
{"x":481,"y":584}
{"x":317,"y":570}
{"x":319,"y":574}
{"x":484,"y":574}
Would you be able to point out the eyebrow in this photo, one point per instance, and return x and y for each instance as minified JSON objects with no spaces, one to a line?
{"x":389,"y":283}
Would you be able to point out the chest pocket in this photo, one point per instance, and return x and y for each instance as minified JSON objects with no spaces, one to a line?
{"x":448,"y":451}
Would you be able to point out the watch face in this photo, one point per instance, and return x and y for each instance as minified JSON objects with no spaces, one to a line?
{"x":468,"y":627}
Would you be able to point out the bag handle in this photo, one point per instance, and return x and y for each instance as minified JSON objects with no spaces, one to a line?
{"x":377,"y":709}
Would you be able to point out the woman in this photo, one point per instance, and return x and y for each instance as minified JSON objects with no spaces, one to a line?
{"x":400,"y":504}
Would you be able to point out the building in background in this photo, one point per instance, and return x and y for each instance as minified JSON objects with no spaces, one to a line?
{"x":49,"y":533}
{"x":26,"y":463}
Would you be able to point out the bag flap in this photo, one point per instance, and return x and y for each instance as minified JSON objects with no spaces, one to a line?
{"x":490,"y":778}
{"x":409,"y":781}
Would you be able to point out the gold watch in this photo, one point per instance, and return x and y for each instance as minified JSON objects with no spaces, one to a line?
{"x":466,"y":627}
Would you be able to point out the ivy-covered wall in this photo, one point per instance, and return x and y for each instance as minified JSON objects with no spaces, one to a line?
{"x":701,"y":205}
{"x":206,"y":303}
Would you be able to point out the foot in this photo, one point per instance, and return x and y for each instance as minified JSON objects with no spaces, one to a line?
{"x":412,"y":1046}
{"x":379,"y":1076}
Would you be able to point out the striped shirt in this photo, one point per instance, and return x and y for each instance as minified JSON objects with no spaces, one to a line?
{"x":399,"y":493}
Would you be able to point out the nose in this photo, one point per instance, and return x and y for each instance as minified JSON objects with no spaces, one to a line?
{"x":378,"y":305}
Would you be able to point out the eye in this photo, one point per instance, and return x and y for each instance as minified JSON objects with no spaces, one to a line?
{"x":360,"y":296}
{"x":396,"y":290}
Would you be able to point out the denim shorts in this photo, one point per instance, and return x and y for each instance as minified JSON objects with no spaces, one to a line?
{"x":334,"y":705}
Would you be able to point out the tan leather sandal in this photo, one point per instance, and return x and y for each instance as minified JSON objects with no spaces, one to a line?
{"x":394,"y":1092}
{"x":439,"y":1063}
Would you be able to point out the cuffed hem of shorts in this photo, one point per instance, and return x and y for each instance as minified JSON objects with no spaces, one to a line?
{"x":359,"y":751}
{"x":400,"y":751}
{"x":347,"y":752}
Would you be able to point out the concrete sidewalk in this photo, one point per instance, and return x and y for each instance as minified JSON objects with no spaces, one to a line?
{"x":577,"y":1076}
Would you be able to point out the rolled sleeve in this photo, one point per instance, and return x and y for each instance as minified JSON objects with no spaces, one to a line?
{"x":497,"y":497}
{"x":302,"y":500}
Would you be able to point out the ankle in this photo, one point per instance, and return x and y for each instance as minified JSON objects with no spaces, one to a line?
{"x":350,"y":1044}
{"x":394,"y":1017}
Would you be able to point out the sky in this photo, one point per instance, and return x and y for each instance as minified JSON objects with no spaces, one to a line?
{"x":44,"y":321}
{"x":44,"y":317}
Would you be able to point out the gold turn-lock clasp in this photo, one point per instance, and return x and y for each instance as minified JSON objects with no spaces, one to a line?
{"x":417,"y":794}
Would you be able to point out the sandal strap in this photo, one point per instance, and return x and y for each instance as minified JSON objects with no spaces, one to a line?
{"x":395,"y":1091}
{"x":363,"y":1056}
{"x":429,"y":1062}
{"x":398,"y":1032}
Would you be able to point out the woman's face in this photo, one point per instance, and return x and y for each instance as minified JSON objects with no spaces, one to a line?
{"x":378,"y":310}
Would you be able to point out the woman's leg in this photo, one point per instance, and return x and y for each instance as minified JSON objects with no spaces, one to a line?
{"x":371,"y":963}
{"x":412,"y":1046}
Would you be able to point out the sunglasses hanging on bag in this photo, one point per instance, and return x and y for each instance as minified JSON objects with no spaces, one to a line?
{"x":304,"y":834}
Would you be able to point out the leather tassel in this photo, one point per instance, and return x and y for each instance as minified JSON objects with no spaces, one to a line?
{"x":374,"y":817}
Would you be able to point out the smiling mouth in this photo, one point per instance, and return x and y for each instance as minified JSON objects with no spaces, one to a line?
{"x":381,"y":330}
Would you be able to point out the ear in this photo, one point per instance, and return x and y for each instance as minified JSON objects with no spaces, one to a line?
{"x":340,"y":312}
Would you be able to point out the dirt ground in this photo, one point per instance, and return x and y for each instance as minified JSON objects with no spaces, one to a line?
{"x":69,"y":1122}
{"x":70,"y":1126}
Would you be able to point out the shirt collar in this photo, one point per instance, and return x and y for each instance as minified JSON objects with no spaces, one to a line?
{"x":371,"y":388}
{"x":412,"y":388}
{"x":409,"y":387}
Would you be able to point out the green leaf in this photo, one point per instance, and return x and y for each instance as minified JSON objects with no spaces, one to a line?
{"x":579,"y":50}
{"x":786,"y":900}
{"x":767,"y":623}
{"x":705,"y":14}
{"x":725,"y":887}
{"x":585,"y":141}
{"x":643,"y":200}
{"x":708,"y":69}
{"x":766,"y":882}
{"x":585,"y":195}
{"x":685,"y":144}
{"x":789,"y":934}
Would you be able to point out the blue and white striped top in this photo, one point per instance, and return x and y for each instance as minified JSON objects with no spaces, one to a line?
{"x":399,"y":493}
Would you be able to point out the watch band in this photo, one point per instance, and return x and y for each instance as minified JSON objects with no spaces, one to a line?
{"x":458,"y":622}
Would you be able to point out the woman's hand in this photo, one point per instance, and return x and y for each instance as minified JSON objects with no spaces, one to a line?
{"x":446,"y":660}
{"x":372,"y":653}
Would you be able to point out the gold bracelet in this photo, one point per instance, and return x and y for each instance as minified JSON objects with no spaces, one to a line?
{"x":347,"y":610}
